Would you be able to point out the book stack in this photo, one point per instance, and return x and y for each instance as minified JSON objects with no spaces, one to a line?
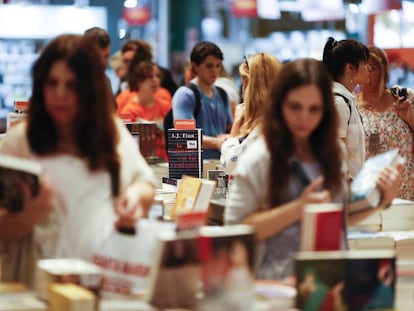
{"x":145,"y":133}
{"x":345,"y":280}
{"x":193,"y":195}
{"x":372,"y":223}
{"x":399,"y":216}
{"x":402,"y":242}
{"x":220,"y":259}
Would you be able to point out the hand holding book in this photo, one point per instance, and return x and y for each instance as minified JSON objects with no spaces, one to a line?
{"x":388,"y":181}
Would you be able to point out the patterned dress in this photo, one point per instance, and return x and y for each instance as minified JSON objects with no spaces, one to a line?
{"x":385,"y":131}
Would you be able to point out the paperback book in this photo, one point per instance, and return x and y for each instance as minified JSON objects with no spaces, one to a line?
{"x":185,"y":155}
{"x":175,"y":271}
{"x":345,"y":280}
{"x":193,"y":194}
{"x":16,"y":173}
{"x":227,"y":258}
{"x":364,"y":191}
{"x":322,"y":227}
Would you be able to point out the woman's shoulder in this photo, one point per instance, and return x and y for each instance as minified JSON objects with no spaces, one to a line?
{"x":255,"y":154}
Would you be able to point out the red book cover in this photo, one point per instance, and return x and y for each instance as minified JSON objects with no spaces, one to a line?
{"x":322,"y":227}
{"x":328,"y":230}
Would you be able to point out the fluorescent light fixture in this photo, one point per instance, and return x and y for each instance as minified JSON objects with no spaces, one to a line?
{"x":268,"y":9}
{"x":130,"y":3}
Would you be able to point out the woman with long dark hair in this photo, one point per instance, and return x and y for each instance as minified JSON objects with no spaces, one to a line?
{"x":94,"y":176}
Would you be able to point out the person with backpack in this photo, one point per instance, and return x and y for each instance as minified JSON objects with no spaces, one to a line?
{"x":347,"y":62}
{"x":213,"y":114}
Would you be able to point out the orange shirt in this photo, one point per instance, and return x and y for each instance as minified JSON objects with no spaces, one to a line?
{"x":162,"y":95}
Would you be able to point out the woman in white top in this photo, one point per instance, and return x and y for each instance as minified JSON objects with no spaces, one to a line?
{"x":347,"y":62}
{"x":94,"y":176}
{"x":256,"y":73}
{"x":296,"y":161}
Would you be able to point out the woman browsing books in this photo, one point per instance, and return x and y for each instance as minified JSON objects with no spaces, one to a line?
{"x":299,"y":160}
{"x":96,"y":178}
{"x":256,"y":73}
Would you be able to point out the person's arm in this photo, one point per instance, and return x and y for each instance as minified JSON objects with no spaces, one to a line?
{"x":17,"y":226}
{"x":271,"y":221}
{"x":137,"y":182}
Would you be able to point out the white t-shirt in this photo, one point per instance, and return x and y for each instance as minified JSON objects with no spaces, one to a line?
{"x":83,"y":212}
{"x":351,"y":128}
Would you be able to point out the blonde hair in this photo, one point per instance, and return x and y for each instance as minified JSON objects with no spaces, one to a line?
{"x":258,"y":72}
{"x":381,"y":61}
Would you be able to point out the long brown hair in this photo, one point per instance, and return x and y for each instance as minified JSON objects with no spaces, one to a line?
{"x":324,"y":140}
{"x":95,"y":131}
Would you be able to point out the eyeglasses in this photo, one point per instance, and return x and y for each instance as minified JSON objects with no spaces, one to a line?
{"x":248,"y":56}
{"x":245,"y":61}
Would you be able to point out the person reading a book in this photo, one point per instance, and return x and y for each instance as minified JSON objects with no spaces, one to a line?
{"x":347,"y":62}
{"x":94,"y":176}
{"x":298,"y":160}
{"x":388,"y":120}
{"x":214,"y":115}
{"x":144,"y":79}
{"x":257,"y":73}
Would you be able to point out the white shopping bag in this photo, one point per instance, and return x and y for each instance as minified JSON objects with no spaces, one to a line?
{"x":126,"y":259}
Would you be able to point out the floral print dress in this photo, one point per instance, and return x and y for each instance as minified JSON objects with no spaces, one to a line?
{"x":385,"y":131}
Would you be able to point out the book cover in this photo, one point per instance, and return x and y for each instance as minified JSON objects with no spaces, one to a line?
{"x":145,"y":134}
{"x":364,"y":191}
{"x":345,"y":280}
{"x":227,"y":258}
{"x":193,"y":194}
{"x":322,"y":227}
{"x":71,"y":297}
{"x":175,"y":271}
{"x":370,"y":280}
{"x":14,"y":173}
{"x":184,"y":148}
{"x":221,"y":179}
{"x":320,"y":278}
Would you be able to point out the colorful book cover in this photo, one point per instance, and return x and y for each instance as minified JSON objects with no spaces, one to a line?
{"x":345,"y":280}
{"x":185,"y":153}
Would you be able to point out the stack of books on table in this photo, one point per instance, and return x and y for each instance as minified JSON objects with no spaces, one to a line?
{"x":402,"y":242}
{"x":399,"y":216}
{"x":372,"y":223}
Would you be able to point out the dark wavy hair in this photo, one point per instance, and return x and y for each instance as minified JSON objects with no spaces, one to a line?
{"x":138,"y":72}
{"x":202,"y":50}
{"x":324,"y":140}
{"x":95,"y":132}
{"x":336,"y":54}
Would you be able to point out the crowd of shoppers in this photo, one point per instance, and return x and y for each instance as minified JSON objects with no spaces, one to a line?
{"x":304,"y":118}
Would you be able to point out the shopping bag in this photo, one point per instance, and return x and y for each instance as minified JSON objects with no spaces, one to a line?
{"x":126,"y":259}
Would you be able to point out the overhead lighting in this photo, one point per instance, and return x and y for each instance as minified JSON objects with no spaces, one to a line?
{"x":130,"y":3}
